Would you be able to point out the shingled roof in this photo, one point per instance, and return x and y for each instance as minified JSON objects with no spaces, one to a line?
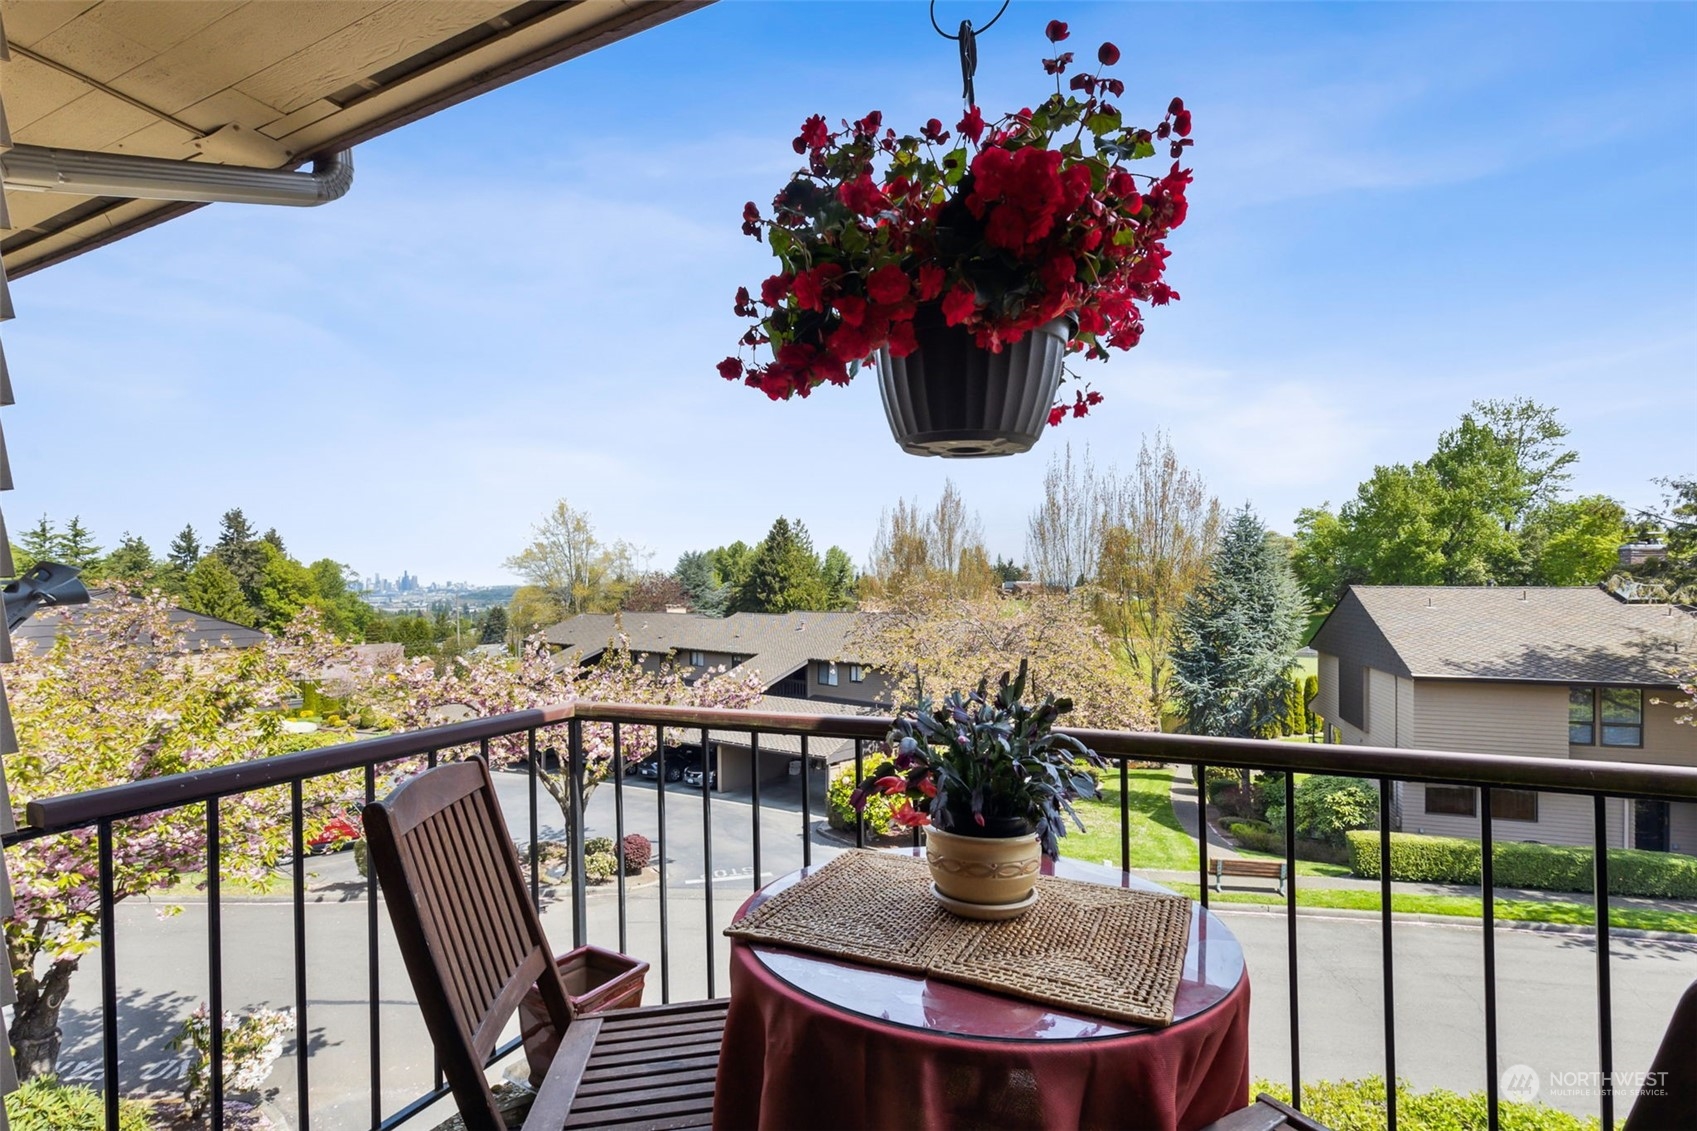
{"x":776,"y":643}
{"x":199,"y":631}
{"x":1530,"y":634}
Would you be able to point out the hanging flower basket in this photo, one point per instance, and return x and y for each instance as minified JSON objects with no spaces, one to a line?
{"x":961,"y":259}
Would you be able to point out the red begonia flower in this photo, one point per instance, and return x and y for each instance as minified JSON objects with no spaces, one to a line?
{"x":1107,"y":54}
{"x":1056,"y":31}
{"x":887,"y":284}
{"x":730,"y":369}
{"x":959,"y":304}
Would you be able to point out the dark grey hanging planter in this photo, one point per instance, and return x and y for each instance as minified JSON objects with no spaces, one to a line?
{"x":953,"y":399}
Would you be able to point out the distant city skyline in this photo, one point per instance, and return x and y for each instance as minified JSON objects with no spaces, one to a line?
{"x":1398,"y":209}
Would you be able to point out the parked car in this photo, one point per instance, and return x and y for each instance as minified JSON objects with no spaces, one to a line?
{"x":679,"y":761}
{"x":339,"y":832}
{"x":693,"y":776}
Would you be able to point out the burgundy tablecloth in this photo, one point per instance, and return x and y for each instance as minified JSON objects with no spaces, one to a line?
{"x":793,"y":1063}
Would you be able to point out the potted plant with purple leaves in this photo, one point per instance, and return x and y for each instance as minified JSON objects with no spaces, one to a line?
{"x":991,"y":781}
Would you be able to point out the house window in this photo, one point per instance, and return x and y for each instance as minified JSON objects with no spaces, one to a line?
{"x":697,"y":659}
{"x":857,"y":674}
{"x":827,"y":675}
{"x":1606,"y":716}
{"x":1454,"y":800}
{"x":1514,"y":805}
{"x":1581,"y":716}
{"x":737,"y":659}
{"x":1463,"y":801}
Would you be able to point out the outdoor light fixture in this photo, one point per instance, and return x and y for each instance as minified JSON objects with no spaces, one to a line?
{"x":43,"y":584}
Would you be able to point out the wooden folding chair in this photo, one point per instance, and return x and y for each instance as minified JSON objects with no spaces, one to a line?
{"x":1266,"y":1114}
{"x":473,"y":945}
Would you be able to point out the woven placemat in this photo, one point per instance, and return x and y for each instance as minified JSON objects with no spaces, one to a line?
{"x":1108,"y":951}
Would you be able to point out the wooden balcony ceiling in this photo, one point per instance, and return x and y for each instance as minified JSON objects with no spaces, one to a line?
{"x":268,"y":83}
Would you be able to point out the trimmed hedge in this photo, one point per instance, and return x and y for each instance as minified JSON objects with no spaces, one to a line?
{"x":1359,"y":1105}
{"x":1536,"y":867}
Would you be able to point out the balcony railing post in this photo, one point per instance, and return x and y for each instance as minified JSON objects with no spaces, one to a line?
{"x":1488,"y":892}
{"x":1290,"y":941}
{"x":707,"y":869}
{"x":580,"y":878}
{"x":1125,"y":816}
{"x":619,"y":830}
{"x":297,"y":849}
{"x":1605,"y":1001}
{"x":531,"y":770}
{"x":1385,"y":938}
{"x":108,"y":975}
{"x":859,"y":774}
{"x":806,"y":806}
{"x":373,"y":984}
{"x":1202,"y":831}
{"x":660,"y":847}
{"x":215,"y":959}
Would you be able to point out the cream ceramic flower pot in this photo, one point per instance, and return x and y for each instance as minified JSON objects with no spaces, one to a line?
{"x":983,"y":877}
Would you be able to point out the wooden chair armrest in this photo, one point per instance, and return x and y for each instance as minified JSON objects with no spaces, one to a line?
{"x":559,"y":1087}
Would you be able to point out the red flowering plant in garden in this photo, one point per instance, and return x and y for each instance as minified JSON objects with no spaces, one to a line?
{"x":1020,"y":221}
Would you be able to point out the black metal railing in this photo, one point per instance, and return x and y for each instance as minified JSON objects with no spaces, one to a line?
{"x":100,"y":811}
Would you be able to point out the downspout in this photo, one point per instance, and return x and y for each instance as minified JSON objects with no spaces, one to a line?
{"x":34,"y":168}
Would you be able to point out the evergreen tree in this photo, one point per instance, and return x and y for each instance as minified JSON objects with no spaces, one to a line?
{"x":707,"y":595}
{"x":837,"y":573}
{"x":1310,"y":692}
{"x":494,"y":627}
{"x":1237,"y":635}
{"x":276,"y":541}
{"x":239,"y":549}
{"x":40,"y":542}
{"x":785,"y":574}
{"x":76,"y":545}
{"x":212,"y":591}
{"x":1006,"y":571}
{"x":185,"y":550}
{"x":132,"y":561}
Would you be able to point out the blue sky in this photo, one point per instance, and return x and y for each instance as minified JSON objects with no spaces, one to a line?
{"x":1398,"y":208}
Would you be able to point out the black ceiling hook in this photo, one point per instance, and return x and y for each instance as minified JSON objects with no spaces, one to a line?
{"x":968,"y":40}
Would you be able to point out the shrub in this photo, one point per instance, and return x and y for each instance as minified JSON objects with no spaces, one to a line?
{"x":600,"y":867}
{"x":841,"y":813}
{"x":1220,"y":778}
{"x":1359,"y":1105}
{"x":41,"y":1103}
{"x":252,"y":1044}
{"x":1538,"y":867}
{"x":1268,"y":792}
{"x":1259,"y":836}
{"x":638,"y":851}
{"x":598,"y":845}
{"x":1233,"y":802}
{"x":1329,"y":807}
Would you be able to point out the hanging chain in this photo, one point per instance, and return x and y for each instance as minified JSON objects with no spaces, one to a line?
{"x":967,"y":37}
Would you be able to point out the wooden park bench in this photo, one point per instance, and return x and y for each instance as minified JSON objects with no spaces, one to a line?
{"x":474,"y":946}
{"x":1260,"y":869}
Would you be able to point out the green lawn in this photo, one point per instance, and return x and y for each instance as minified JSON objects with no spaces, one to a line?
{"x":1157,"y":841}
{"x":1467,"y":907}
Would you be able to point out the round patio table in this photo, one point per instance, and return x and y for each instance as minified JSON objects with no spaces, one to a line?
{"x":827,"y":1043}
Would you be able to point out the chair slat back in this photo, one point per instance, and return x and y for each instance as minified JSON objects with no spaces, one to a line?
{"x":472,"y":941}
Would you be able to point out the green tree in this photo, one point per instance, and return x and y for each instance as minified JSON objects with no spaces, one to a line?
{"x":1575,"y":541}
{"x":285,"y":587}
{"x":275,"y":540}
{"x":345,"y":613}
{"x":493,"y":629}
{"x":785,"y":574}
{"x":185,"y":550}
{"x":839,"y":577}
{"x":77,"y":546}
{"x":1310,"y":692}
{"x":1236,"y":636}
{"x":1157,"y":528}
{"x":707,"y":594}
{"x":239,"y":549}
{"x":1478,"y":511}
{"x":40,"y":543}
{"x":132,"y":561}
{"x":1007,"y":571}
{"x":561,"y":557}
{"x":731,"y":565}
{"x":212,"y":590}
